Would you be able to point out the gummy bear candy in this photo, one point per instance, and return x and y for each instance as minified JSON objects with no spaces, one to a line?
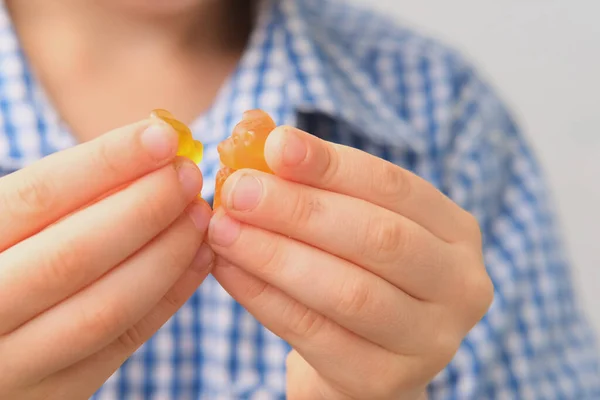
{"x":245,"y":148}
{"x":188,"y":147}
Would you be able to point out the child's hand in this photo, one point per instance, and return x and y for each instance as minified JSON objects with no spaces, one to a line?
{"x":99,"y":246}
{"x":370,"y":273}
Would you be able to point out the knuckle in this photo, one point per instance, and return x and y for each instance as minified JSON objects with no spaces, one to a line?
{"x":107,"y":162}
{"x":331,"y":166}
{"x":353,"y":298}
{"x":64,"y":265}
{"x":256,"y":289}
{"x":304,"y":209}
{"x":301,"y":321}
{"x":394,"y":184}
{"x":176,"y":256}
{"x":131,"y":339}
{"x":272,"y":257}
{"x":479,"y":293}
{"x":152,"y":215}
{"x":34,"y":196}
{"x":175,"y":299}
{"x":384,"y":238}
{"x":99,"y":324}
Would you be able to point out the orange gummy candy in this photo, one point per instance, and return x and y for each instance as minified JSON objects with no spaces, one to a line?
{"x":245,"y":148}
{"x":222,"y":175}
{"x":187,"y":147}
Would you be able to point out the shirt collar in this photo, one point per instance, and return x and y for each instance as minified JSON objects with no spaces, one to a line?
{"x":325,"y":78}
{"x":292,"y":53}
{"x":316,"y":75}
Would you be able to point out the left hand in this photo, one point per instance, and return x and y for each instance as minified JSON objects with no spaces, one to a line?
{"x":372,"y":275}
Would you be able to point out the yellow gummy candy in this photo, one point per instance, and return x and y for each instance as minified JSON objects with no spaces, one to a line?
{"x":188,"y":147}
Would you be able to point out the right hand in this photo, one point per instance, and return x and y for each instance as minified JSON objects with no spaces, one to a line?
{"x":99,"y":246}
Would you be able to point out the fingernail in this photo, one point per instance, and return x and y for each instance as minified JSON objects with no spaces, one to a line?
{"x":223,"y":230}
{"x":245,"y":193}
{"x":200,"y":215}
{"x":189,"y":176}
{"x":294,"y":149}
{"x":160,"y":141}
{"x":203,"y":259}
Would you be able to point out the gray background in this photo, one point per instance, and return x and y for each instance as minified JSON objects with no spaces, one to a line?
{"x":544,"y":58}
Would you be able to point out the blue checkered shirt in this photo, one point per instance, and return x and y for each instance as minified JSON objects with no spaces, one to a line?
{"x":352,"y":77}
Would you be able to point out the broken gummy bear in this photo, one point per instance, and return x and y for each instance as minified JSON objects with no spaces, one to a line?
{"x":245,"y":148}
{"x":188,"y":147}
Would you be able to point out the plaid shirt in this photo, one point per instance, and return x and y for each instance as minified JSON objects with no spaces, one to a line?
{"x":352,"y":77}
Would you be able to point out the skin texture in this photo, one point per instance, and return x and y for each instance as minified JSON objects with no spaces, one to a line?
{"x":95,"y":258}
{"x":370,"y":273}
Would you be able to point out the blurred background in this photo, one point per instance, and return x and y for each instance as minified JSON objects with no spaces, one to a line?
{"x":543,"y":57}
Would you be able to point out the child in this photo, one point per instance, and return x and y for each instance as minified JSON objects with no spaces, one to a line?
{"x":341,"y":276}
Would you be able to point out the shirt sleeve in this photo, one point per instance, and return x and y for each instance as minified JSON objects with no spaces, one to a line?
{"x":535,"y":342}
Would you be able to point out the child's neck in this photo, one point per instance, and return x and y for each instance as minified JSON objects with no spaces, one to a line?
{"x":104,"y":67}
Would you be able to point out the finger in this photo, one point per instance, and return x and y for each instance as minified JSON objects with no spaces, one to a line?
{"x":84,"y":377}
{"x":385,"y":243}
{"x":340,"y":356}
{"x":48,"y":267}
{"x":352,"y":297}
{"x":36,"y":196}
{"x":305,"y":382}
{"x":298,"y":156}
{"x":99,"y":314}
